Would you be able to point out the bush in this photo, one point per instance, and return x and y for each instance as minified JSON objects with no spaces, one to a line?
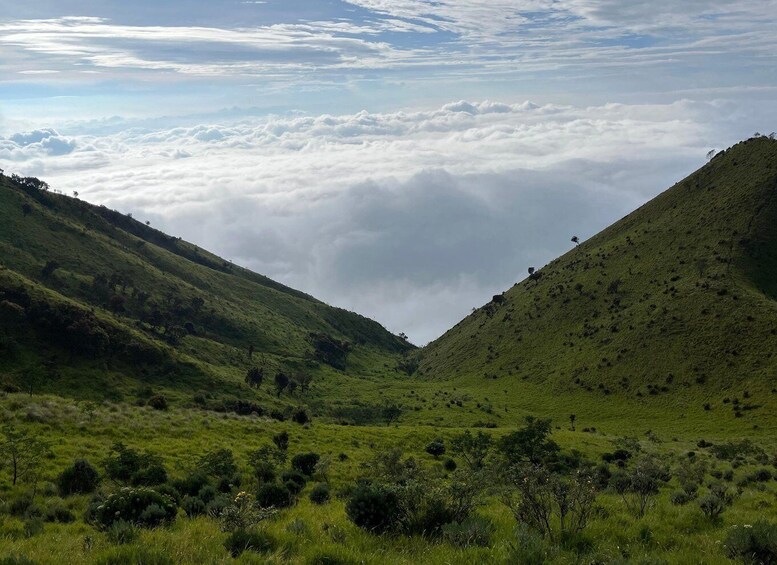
{"x":436,"y":448}
{"x":152,"y":475}
{"x":158,"y":402}
{"x":474,"y":531}
{"x":16,"y":560}
{"x":133,"y":555}
{"x":58,"y":512}
{"x":320,"y":494}
{"x":241,"y":541}
{"x":294,"y":477}
{"x":373,"y":507}
{"x":449,"y":465}
{"x":272,"y":495}
{"x":305,"y":463}
{"x":79,"y":478}
{"x":122,"y":533}
{"x":192,"y":484}
{"x":756,"y":544}
{"x":713,"y":504}
{"x":140,"y":506}
{"x":33,"y":527}
{"x":680,"y":497}
{"x":193,"y":506}
{"x":300,"y":416}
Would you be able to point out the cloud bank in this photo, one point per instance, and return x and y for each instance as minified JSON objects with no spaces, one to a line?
{"x":411,"y":218}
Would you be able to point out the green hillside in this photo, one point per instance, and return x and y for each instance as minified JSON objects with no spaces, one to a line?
{"x":96,"y":304}
{"x":674,"y":306}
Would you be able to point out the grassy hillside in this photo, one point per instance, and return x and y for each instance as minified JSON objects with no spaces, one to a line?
{"x":671,"y":308}
{"x":97,"y":304}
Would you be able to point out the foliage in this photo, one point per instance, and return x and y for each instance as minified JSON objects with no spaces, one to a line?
{"x":472,"y":448}
{"x":436,"y":448}
{"x":240,"y":541}
{"x":530,"y":444}
{"x":373,"y":507}
{"x":320,"y":494}
{"x":126,"y":465}
{"x":79,"y":478}
{"x":305,"y":463}
{"x":22,"y":453}
{"x":641,"y":483}
{"x":272,"y":495}
{"x":473,"y":531}
{"x":142,"y":507}
{"x":243,"y":513}
{"x":541,"y":499}
{"x":754,"y":544}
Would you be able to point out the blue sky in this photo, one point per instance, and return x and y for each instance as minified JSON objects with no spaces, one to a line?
{"x":402,"y":158}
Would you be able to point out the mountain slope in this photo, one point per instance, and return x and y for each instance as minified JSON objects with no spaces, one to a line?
{"x":677,"y":300}
{"x":95,"y":303}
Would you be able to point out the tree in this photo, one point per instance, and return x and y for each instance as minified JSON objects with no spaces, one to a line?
{"x":281,"y":382}
{"x":540,"y":499}
{"x":391,"y":411}
{"x":710,"y":154}
{"x":472,"y":448}
{"x":572,"y":418}
{"x":303,"y":379}
{"x":575,"y":240}
{"x":251,"y":351}
{"x":254,"y":377}
{"x":75,"y":194}
{"x":638,"y":486}
{"x":23,"y":453}
{"x":292,"y":387}
{"x":530,"y":444}
{"x":26,"y":209}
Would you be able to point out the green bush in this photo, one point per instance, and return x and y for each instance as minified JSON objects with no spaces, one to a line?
{"x":33,"y":527}
{"x":272,"y":495}
{"x":158,"y":402}
{"x":754,"y":545}
{"x":79,"y":478}
{"x":320,"y":494}
{"x":191,"y":484}
{"x":151,"y":475}
{"x":122,"y":533}
{"x":241,"y":541}
{"x":56,"y":511}
{"x":528,"y":548}
{"x":305,"y":463}
{"x":474,"y":531}
{"x":132,"y":555}
{"x":140,"y":506}
{"x":373,"y":507}
{"x":436,"y":448}
{"x":680,"y":497}
{"x":450,"y":465}
{"x":294,"y":477}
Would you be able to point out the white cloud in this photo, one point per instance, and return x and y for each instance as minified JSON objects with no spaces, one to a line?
{"x":409,"y":217}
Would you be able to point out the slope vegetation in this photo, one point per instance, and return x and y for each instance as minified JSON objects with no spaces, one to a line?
{"x":676,"y":302}
{"x":95,"y":303}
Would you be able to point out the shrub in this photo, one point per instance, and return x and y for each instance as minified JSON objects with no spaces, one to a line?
{"x":281,"y":440}
{"x":193,"y":506}
{"x":121,"y":533}
{"x":140,"y":506}
{"x":305,"y":463}
{"x":16,"y":560}
{"x":151,"y":475}
{"x":713,"y":504}
{"x":300,"y":416}
{"x":294,"y":488}
{"x":192,"y":484}
{"x":33,"y":527}
{"x":135,"y":555}
{"x":756,"y":544}
{"x":58,"y":512}
{"x":158,"y":402}
{"x":272,"y":495}
{"x":450,"y":465}
{"x":680,"y":497}
{"x":241,"y":541}
{"x":219,"y":463}
{"x":373,"y":507}
{"x":474,"y":531}
{"x":320,"y":494}
{"x":294,"y":477}
{"x":436,"y":448}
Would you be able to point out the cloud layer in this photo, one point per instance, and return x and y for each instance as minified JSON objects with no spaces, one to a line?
{"x":409,"y":217}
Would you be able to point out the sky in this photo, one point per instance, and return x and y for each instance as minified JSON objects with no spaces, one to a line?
{"x":405,"y":159}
